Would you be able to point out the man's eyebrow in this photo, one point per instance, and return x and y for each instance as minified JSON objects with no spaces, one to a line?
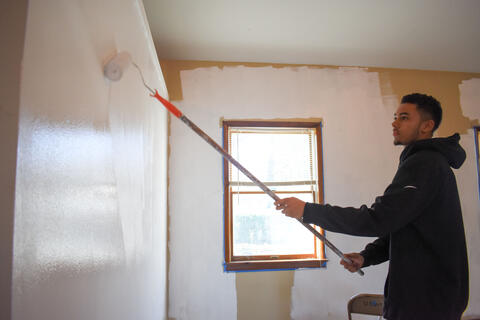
{"x":402,"y":114}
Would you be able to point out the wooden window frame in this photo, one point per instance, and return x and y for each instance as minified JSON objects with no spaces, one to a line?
{"x":269,"y":262}
{"x":476,"y":131}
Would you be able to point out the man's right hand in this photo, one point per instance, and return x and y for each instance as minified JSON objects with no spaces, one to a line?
{"x":357,"y":260}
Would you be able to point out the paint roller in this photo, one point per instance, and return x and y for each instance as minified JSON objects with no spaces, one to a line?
{"x":114,"y":69}
{"x":115,"y":66}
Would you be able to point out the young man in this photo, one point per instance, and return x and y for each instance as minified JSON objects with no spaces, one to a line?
{"x":418,"y":220}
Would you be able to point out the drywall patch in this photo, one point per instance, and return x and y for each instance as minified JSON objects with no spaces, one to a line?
{"x":470,"y":97}
{"x":271,"y":298}
{"x":389,"y":97}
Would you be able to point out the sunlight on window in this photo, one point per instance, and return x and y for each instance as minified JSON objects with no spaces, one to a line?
{"x":261,"y":230}
{"x":285,"y":155}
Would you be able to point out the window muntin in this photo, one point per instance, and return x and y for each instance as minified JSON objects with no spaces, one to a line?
{"x":285,"y":157}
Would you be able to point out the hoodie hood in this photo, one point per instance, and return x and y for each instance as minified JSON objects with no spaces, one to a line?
{"x":448,"y":147}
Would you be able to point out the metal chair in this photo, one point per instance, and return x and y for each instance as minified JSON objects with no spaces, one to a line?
{"x":364,"y":303}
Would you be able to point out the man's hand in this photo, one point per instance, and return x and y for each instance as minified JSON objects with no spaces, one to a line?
{"x":291,"y":207}
{"x":357,"y":260}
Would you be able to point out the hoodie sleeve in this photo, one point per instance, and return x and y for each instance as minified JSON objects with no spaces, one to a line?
{"x":414,"y":186}
{"x":376,"y":252}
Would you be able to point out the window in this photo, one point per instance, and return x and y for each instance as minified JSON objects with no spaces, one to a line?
{"x":286,"y":156}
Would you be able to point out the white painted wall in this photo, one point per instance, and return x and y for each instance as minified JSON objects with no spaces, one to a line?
{"x":359,"y":162}
{"x":90,"y":211}
{"x":468,"y":183}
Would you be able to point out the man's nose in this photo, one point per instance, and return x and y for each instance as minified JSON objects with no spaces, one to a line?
{"x":394,"y":123}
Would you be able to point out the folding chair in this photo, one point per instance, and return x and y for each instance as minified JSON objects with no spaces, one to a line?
{"x":364,"y":303}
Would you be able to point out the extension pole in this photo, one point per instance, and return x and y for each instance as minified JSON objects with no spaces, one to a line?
{"x":177,"y":113}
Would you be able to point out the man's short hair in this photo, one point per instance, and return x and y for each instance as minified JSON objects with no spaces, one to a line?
{"x":428,"y":106}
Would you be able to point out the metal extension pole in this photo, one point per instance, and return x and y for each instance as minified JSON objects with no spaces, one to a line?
{"x":257,"y":182}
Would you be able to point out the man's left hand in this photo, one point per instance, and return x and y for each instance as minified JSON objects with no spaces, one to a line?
{"x":292,"y":207}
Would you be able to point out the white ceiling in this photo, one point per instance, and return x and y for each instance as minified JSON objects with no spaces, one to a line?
{"x":411,"y":34}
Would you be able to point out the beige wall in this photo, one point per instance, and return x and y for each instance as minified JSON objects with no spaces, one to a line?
{"x":12,"y":35}
{"x":90,"y":194}
{"x":357,"y":106}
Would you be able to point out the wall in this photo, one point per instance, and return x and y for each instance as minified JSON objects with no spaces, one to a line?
{"x":12,"y":34}
{"x":357,"y":106}
{"x":90,"y":200}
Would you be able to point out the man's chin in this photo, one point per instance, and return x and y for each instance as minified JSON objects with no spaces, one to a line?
{"x":397,"y":143}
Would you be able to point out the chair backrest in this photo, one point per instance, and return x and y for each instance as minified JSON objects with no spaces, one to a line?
{"x":365,"y":303}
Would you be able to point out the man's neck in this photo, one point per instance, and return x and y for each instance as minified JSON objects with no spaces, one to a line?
{"x":419,"y":139}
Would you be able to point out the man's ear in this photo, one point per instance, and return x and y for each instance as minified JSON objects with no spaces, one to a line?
{"x":427,"y":126}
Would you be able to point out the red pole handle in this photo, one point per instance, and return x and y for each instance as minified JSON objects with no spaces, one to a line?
{"x":167,"y":105}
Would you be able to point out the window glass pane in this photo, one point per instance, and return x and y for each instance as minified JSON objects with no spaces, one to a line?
{"x":259,"y":229}
{"x":273,"y":157}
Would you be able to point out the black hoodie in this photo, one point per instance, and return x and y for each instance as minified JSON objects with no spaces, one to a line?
{"x":419,"y":224}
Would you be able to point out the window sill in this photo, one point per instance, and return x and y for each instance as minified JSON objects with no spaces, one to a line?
{"x":274,"y":264}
